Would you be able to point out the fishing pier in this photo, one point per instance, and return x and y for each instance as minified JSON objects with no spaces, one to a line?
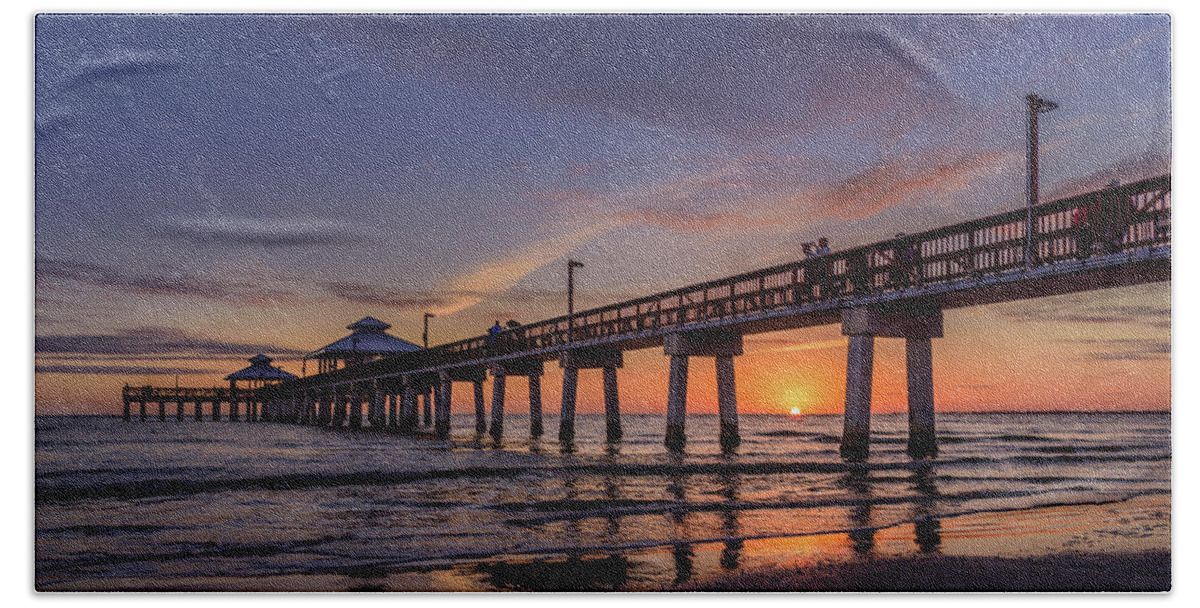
{"x":896,"y":288}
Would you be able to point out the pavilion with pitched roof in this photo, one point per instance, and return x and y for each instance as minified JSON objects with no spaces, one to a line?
{"x":260,"y":373}
{"x":368,"y":342}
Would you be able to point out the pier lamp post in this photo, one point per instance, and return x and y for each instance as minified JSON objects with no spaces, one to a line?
{"x":571,"y":266}
{"x":1037,"y":105}
{"x":425,"y":334}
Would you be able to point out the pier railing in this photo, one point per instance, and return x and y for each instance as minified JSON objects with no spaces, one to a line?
{"x":168,"y":393}
{"x":1104,"y":222}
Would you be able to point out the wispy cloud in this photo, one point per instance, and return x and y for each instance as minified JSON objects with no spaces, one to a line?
{"x":269,"y":232}
{"x":414,"y":300}
{"x":818,"y":345}
{"x":493,"y":277}
{"x":1153,"y":316}
{"x":149,"y":341}
{"x":124,"y":370}
{"x":896,"y":182}
{"x":1127,"y":349}
{"x":162,"y":284}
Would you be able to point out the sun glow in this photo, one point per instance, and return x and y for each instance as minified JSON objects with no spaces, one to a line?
{"x":794,"y":397}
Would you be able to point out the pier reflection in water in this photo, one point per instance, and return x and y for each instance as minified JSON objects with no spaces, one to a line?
{"x":927,"y":526}
{"x":705,"y":537}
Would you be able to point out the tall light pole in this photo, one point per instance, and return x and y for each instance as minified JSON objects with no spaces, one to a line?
{"x":1037,"y":105}
{"x":571,"y":266}
{"x":425,"y":334}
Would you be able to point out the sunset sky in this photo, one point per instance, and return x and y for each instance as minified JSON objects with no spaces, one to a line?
{"x":211,"y":187}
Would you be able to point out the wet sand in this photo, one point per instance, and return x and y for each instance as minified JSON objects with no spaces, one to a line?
{"x":1118,"y":546}
{"x":1147,"y":571}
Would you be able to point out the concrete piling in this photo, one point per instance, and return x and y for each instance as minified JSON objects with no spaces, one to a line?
{"x":922,"y":439}
{"x":376,"y":413}
{"x":721,"y":345}
{"x":442,"y":418}
{"x":408,"y":407}
{"x":354,"y":407}
{"x":566,"y":422}
{"x":612,"y":406}
{"x":727,"y":404}
{"x":199,"y":413}
{"x":427,"y":407}
{"x":916,"y":324}
{"x":856,"y":430}
{"x":481,"y":426}
{"x":535,"y":405}
{"x":339,"y":409}
{"x":497,"y":428}
{"x":676,"y":435}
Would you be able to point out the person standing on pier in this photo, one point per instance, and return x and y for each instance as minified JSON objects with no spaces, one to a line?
{"x":493,"y":336}
{"x":819,"y":270}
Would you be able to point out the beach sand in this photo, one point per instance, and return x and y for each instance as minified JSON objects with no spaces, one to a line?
{"x":1117,"y":546}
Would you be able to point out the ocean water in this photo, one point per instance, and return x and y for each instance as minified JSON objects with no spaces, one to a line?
{"x":265,"y":506}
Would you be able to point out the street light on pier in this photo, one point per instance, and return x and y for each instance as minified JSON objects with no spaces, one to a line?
{"x":425,"y":334}
{"x":1037,"y":105}
{"x":571,"y":266}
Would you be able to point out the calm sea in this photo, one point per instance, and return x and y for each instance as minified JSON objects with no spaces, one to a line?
{"x":263,"y":506}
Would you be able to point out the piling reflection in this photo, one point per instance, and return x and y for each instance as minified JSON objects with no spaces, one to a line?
{"x":928,"y":528}
{"x":730,"y":490}
{"x":684,"y":565}
{"x":862,"y":537}
{"x":607,"y":573}
{"x":612,"y":492}
{"x":682,"y":552}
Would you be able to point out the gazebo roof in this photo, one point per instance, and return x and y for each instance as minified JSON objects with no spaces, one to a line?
{"x":368,"y":324}
{"x":368,"y":338}
{"x":261,"y":369}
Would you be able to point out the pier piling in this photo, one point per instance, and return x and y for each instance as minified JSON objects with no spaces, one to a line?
{"x":727,"y":404}
{"x":535,"y":405}
{"x":408,"y":406}
{"x":497,"y":428}
{"x":442,"y":417}
{"x":612,"y":406}
{"x":856,"y":429}
{"x":481,"y":426}
{"x":427,"y":398}
{"x":721,"y":345}
{"x":916,"y":324}
{"x":922,"y":439}
{"x":566,"y":421}
{"x":676,"y":435}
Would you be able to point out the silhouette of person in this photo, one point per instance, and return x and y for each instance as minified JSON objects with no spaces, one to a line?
{"x":1083,"y":224}
{"x":907,"y":262}
{"x":493,"y":334}
{"x":1117,"y":213}
{"x":819,"y":270}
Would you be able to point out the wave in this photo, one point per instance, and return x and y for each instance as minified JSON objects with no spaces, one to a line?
{"x":168,"y":488}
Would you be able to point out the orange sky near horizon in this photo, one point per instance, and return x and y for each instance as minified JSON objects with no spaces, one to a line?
{"x":987,"y":361}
